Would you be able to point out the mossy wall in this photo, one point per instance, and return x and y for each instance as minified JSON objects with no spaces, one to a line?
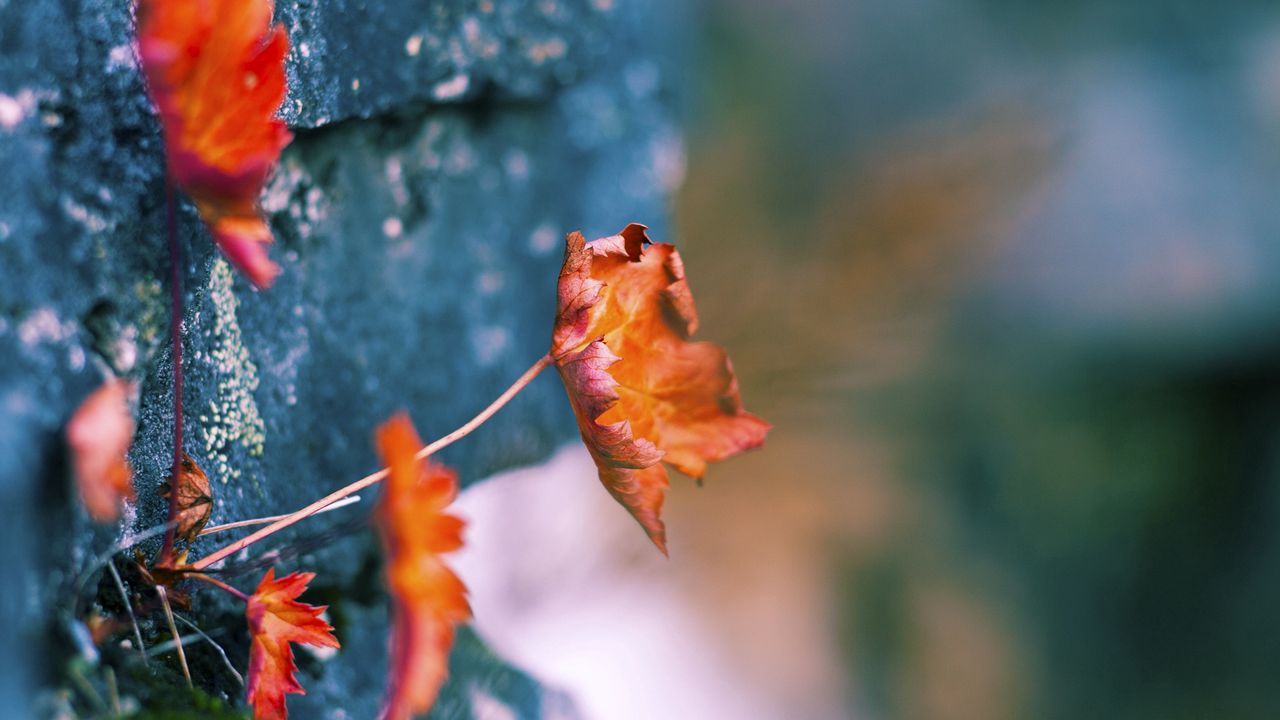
{"x":442,"y":149}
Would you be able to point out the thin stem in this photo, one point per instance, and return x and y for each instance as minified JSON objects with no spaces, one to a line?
{"x":164,"y":647}
{"x":324,"y":502}
{"x":226,"y":660}
{"x":272,"y":518}
{"x":175,"y":334}
{"x":77,"y":674}
{"x":113,"y":692}
{"x":104,"y":558}
{"x":173,"y":630}
{"x":128,"y":606}
{"x":484,"y":415}
{"x":220,"y":585}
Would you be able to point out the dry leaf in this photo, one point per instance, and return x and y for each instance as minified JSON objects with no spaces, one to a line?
{"x":99,"y":435}
{"x":275,"y":621}
{"x":168,"y":574}
{"x":195,"y":501}
{"x":428,"y":599}
{"x":215,"y":70}
{"x":643,"y":392}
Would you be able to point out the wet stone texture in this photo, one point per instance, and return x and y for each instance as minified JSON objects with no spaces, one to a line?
{"x":442,"y":150}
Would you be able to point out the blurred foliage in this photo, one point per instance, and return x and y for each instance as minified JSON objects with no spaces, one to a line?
{"x":1001,"y":274}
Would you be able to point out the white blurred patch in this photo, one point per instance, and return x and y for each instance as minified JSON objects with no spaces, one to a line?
{"x":565,"y":585}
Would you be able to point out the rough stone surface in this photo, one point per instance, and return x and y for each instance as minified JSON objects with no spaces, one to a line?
{"x":442,"y":150}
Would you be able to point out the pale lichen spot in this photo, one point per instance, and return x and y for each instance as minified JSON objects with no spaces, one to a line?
{"x":120,"y":57}
{"x":461,"y":158}
{"x":14,"y":109}
{"x":392,"y":227}
{"x":10,"y":112}
{"x":44,"y":326}
{"x":91,"y":221}
{"x":490,"y":282}
{"x":452,"y":88}
{"x":471,"y":30}
{"x":543,"y":239}
{"x":552,"y":49}
{"x":395,"y":179}
{"x":489,"y":344}
{"x":413,"y":45}
{"x":516,"y":163}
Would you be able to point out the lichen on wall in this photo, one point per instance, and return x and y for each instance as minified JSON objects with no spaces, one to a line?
{"x":231,"y":417}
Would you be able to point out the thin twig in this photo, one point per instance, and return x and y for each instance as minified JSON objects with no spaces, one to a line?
{"x":175,"y":334}
{"x":128,"y":606}
{"x":216,"y":646}
{"x":264,"y":520}
{"x":173,"y":629}
{"x":365,"y":482}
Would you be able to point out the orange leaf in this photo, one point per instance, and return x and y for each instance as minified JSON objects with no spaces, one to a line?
{"x":275,"y":620}
{"x":643,"y":392}
{"x":428,"y":599}
{"x":195,"y":501}
{"x":99,"y":434}
{"x":215,"y":70}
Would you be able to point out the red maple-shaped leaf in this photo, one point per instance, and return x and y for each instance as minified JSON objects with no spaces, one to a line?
{"x":276,"y":619}
{"x":99,"y":435}
{"x":428,"y":599}
{"x":215,"y":70}
{"x":643,"y":392}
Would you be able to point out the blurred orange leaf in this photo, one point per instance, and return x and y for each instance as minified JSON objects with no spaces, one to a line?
{"x":276,"y":619}
{"x":428,"y":598}
{"x":643,"y":392}
{"x":195,"y":501}
{"x":99,"y":435}
{"x":215,"y":70}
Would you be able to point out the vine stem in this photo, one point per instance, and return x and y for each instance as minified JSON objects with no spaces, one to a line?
{"x":272,"y":518}
{"x":220,"y":585}
{"x":175,"y":333}
{"x":315,"y":507}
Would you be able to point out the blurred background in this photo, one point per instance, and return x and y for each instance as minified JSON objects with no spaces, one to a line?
{"x":1002,"y":276}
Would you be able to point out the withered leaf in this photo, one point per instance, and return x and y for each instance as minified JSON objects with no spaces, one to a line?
{"x":195,"y":499}
{"x":644,"y":393}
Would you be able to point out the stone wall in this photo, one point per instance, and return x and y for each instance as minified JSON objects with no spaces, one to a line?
{"x":442,"y":149}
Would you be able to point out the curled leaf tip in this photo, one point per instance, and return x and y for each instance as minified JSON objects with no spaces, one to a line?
{"x":643,"y":392}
